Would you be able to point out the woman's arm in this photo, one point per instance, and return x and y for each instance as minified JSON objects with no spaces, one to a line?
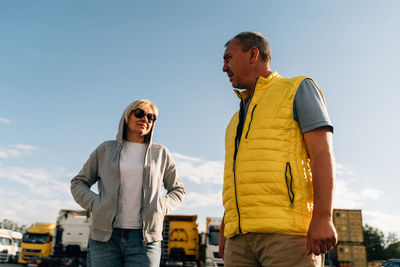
{"x":81,"y":183}
{"x":173,"y":185}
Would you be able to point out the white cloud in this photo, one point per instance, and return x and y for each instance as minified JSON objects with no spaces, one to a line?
{"x":26,"y":209}
{"x":345,"y":197}
{"x":25,"y":147}
{"x":4,"y":120}
{"x":370,"y":193}
{"x":196,"y":200}
{"x":16,"y":150}
{"x":383,"y":221}
{"x":39,"y":182}
{"x":198,"y":170}
{"x":343,"y":170}
{"x":40,"y":194}
{"x":348,"y":195}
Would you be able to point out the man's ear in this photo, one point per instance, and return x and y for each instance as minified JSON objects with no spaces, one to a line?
{"x":254,"y":54}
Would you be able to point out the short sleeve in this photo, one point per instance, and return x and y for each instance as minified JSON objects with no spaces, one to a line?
{"x":309,"y":107}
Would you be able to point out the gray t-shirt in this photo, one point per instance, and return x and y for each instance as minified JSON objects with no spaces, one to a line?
{"x":309,"y":107}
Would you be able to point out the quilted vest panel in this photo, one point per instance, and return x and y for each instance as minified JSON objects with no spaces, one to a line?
{"x":268,"y":186}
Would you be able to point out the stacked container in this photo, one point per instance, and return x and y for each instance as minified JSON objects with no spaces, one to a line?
{"x":350,"y":250}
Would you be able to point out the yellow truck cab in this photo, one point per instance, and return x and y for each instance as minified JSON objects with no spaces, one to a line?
{"x":180,"y":245}
{"x":37,"y":242}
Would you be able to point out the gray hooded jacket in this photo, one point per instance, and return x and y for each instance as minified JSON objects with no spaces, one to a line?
{"x":103,"y":167}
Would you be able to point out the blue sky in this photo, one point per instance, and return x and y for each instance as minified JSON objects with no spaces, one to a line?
{"x":69,"y":68}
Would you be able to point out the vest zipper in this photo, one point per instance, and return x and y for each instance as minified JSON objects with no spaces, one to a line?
{"x":239,"y":131}
{"x":237,"y":204}
{"x":252,"y":112}
{"x":289,"y":184}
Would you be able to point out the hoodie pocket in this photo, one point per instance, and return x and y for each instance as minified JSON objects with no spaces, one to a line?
{"x":95,"y":203}
{"x":162,"y":205}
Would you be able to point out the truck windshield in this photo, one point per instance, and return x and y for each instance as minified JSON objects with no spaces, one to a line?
{"x":213,"y":237}
{"x":35,"y":238}
{"x":5,"y":241}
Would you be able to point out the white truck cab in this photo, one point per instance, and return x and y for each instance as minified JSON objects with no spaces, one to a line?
{"x":9,"y":245}
{"x":212,"y":258}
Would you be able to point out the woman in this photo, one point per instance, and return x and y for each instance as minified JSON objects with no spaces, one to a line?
{"x":128,"y":211}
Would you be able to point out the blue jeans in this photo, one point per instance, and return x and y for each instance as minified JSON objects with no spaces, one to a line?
{"x":125,"y":249}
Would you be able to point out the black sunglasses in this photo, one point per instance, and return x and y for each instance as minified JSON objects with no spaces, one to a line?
{"x":140,"y":113}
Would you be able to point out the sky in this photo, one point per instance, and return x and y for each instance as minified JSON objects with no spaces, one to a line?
{"x":68,"y":69}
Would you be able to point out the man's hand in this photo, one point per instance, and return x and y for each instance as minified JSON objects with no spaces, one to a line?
{"x":222,"y":239}
{"x":321,"y":236}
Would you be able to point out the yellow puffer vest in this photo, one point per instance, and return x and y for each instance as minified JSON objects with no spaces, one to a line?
{"x":267,"y":185}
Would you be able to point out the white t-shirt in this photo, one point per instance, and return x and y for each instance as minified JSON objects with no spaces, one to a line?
{"x":130,"y":192}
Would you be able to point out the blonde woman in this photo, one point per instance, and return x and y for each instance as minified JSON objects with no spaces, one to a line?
{"x":129,"y":208}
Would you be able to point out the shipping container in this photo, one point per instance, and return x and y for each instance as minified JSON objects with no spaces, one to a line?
{"x":348,"y":225}
{"x":349,"y":254}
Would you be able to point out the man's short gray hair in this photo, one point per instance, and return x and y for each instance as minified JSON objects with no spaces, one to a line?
{"x":248,"y":40}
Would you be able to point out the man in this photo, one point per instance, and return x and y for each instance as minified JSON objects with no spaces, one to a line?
{"x":277,"y":212}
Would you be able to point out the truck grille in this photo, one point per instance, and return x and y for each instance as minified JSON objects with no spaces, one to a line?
{"x":4,"y":256}
{"x":32,"y":250}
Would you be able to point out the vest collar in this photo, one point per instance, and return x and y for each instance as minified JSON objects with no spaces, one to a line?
{"x":261,"y":81}
{"x":260,"y":85}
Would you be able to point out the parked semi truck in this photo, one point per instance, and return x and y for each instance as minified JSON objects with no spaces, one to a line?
{"x":71,"y":239}
{"x":9,"y":245}
{"x":5,"y":245}
{"x":65,"y":243}
{"x":181,"y":241}
{"x":17,"y":239}
{"x":37,"y":243}
{"x":212,"y":258}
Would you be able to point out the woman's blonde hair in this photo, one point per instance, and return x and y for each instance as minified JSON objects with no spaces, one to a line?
{"x":139,"y":104}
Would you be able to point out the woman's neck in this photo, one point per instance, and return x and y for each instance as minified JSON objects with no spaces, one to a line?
{"x":135,"y":139}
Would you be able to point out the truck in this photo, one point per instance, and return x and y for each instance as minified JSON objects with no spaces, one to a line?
{"x":17,"y":238}
{"x":212,"y":257}
{"x":71,"y":239}
{"x":181,"y":241}
{"x":63,"y":243}
{"x":8,"y":246}
{"x":37,"y":243}
{"x":5,"y":245}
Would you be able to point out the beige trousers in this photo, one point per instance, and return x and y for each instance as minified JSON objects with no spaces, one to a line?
{"x":269,"y":250}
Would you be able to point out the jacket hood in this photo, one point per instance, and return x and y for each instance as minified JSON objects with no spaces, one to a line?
{"x":122,"y":130}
